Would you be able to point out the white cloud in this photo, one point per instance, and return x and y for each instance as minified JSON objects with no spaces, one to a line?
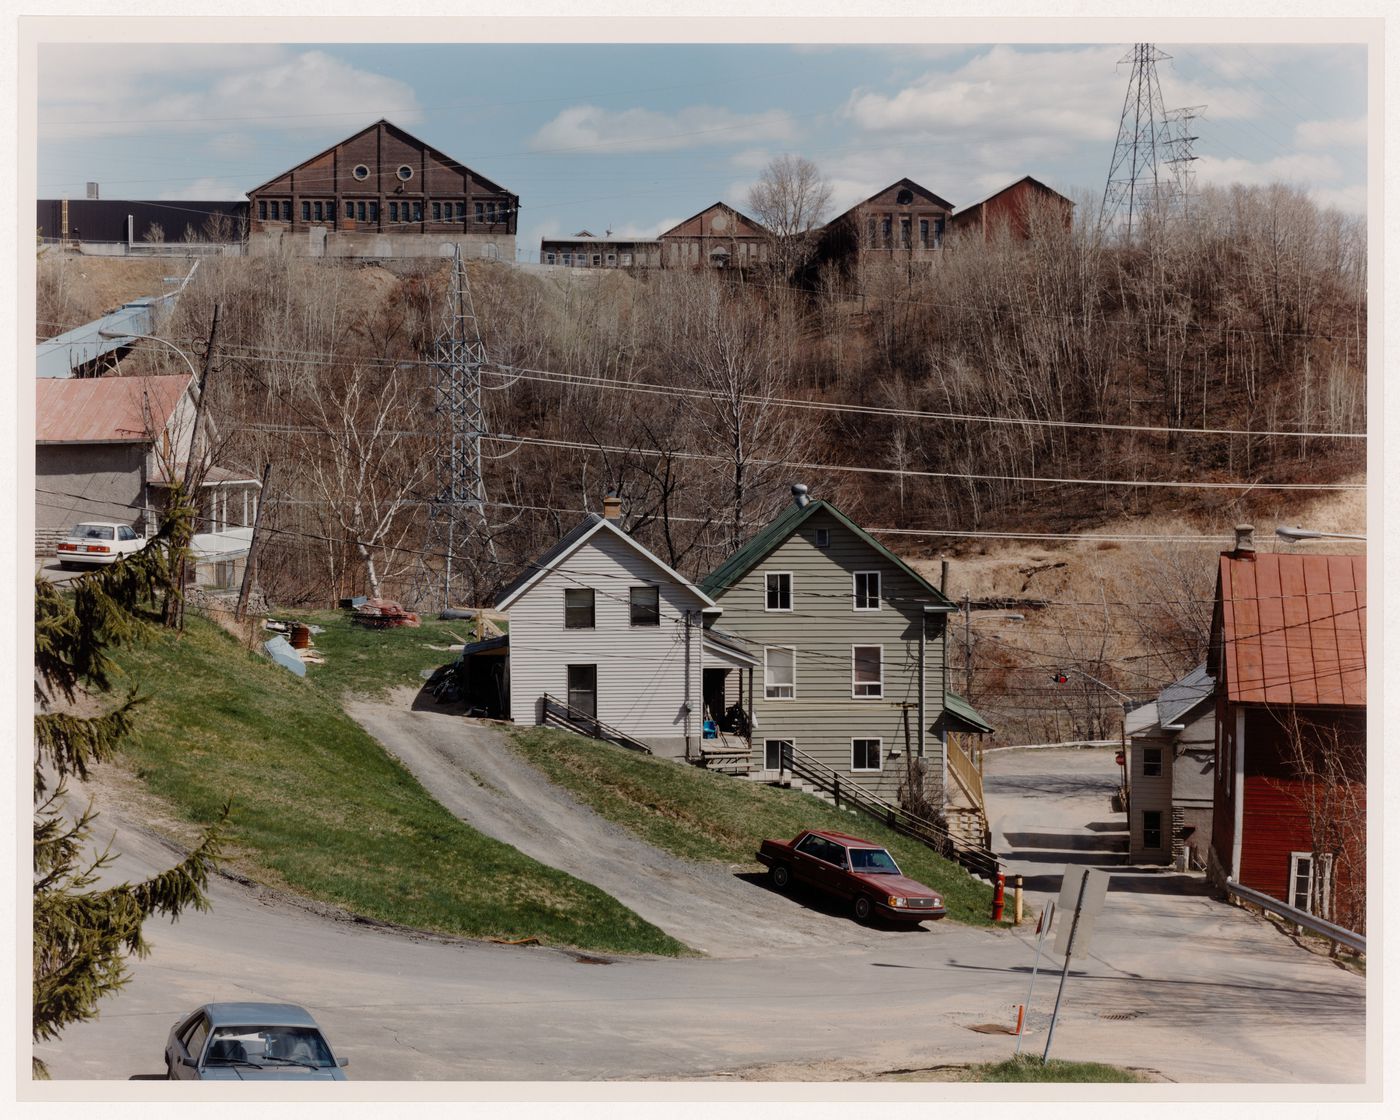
{"x":206,"y":189}
{"x":587,"y":127}
{"x":1351,"y":200}
{"x":280,"y":90}
{"x":1302,"y":170}
{"x":1349,"y":132}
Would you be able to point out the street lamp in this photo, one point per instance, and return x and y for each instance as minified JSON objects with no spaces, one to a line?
{"x":1293,"y":535}
{"x":110,"y":334}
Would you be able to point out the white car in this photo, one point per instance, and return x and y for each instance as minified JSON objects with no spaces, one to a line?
{"x":98,"y":542}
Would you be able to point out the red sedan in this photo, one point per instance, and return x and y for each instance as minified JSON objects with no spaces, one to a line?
{"x":857,"y":872}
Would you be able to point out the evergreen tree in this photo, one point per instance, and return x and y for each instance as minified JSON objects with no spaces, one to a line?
{"x":83,"y":933}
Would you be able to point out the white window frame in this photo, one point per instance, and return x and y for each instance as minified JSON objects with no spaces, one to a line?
{"x":1316,"y":863}
{"x":879,"y":754}
{"x":767,"y":695}
{"x":822,"y":538}
{"x":774,"y":769}
{"x":855,"y":594}
{"x":1161,"y":830}
{"x":777,"y":610}
{"x":1158,"y":762}
{"x":880,"y":685}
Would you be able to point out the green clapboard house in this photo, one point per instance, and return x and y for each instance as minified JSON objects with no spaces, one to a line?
{"x":851,"y":643}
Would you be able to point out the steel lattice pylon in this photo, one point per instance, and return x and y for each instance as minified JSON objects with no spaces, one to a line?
{"x":1151,"y":159}
{"x":459,"y":512}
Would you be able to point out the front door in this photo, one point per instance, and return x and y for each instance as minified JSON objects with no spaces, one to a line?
{"x":583,"y":691}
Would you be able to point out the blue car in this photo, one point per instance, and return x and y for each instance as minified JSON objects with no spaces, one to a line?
{"x":250,"y":1042}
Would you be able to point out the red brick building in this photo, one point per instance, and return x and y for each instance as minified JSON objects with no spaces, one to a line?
{"x":902,"y":222}
{"x":1288,"y":652}
{"x":1016,"y":208}
{"x":717,"y":237}
{"x":383,"y":192}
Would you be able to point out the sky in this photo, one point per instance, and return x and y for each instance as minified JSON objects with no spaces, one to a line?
{"x":634,"y":138}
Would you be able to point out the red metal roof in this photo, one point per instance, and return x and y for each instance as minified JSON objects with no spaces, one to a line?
{"x":1294,"y":628}
{"x":105,"y":409}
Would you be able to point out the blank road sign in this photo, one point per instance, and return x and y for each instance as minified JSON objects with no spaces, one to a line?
{"x":1095,"y":887}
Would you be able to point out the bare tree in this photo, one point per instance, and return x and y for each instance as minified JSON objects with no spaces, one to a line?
{"x":790,"y":199}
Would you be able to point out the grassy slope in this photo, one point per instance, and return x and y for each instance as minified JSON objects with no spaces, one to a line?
{"x":705,"y":816}
{"x":375,"y":662}
{"x":321,"y":809}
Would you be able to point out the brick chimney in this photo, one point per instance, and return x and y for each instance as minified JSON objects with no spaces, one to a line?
{"x":1244,"y":542}
{"x":612,"y":507}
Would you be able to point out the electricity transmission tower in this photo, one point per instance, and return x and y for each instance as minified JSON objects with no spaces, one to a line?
{"x":1150,"y":172}
{"x":459,"y":511}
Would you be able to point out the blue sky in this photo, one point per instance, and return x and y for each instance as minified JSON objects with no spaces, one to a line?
{"x":634,"y":138}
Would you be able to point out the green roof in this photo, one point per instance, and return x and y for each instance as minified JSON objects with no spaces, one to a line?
{"x":738,"y":565}
{"x":959,"y":715}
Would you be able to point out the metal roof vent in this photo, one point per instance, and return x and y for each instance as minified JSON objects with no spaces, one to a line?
{"x":799,"y":494}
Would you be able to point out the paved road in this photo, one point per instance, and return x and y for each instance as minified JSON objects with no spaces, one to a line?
{"x":1217,"y":996}
{"x":1167,"y":961}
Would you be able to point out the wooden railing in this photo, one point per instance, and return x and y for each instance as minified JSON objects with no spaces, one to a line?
{"x":966,"y":774}
{"x":979,"y":861}
{"x":565,"y":715}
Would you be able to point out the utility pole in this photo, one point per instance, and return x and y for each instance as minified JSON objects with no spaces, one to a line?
{"x":246,"y":587}
{"x":1150,"y":171}
{"x":967,"y":643}
{"x":460,"y":507}
{"x":175,"y":605}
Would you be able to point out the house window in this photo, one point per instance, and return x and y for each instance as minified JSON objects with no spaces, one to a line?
{"x":870,"y":232}
{"x":567,"y":259}
{"x":1152,"y":828}
{"x":305,"y":211}
{"x":287,"y":210}
{"x":320,"y":212}
{"x":597,"y":259}
{"x":393,"y":211}
{"x":583,"y":690}
{"x":823,"y":538}
{"x":626,"y":259}
{"x":374,"y":211}
{"x":937,"y":233}
{"x":490,"y":211}
{"x":480,"y":211}
{"x":262,"y":210}
{"x":361,"y":172}
{"x":865,"y":754}
{"x":461,"y":211}
{"x":867,"y":672}
{"x":904,"y":233}
{"x":349,"y":209}
{"x":777,"y":591}
{"x":578,"y":608}
{"x":867,"y":590}
{"x":779,"y":672}
{"x":405,"y":173}
{"x":549,"y":258}
{"x":360,"y":206}
{"x":1151,"y":762}
{"x":773,"y":753}
{"x":923,"y":233}
{"x":1313,"y":897}
{"x":885,"y":227}
{"x":417,"y":211}
{"x":645,"y":605}
{"x":612,"y":260}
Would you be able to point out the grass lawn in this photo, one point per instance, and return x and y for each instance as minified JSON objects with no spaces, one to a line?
{"x":700,"y":815}
{"x":1023,"y":1068}
{"x":319,"y":808}
{"x":375,"y":662}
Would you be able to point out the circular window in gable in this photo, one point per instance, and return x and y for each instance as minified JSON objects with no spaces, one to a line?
{"x":361,"y":172}
{"x":904,"y":197}
{"x":405,"y":173}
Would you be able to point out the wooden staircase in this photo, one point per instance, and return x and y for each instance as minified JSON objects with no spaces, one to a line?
{"x":966,"y":808}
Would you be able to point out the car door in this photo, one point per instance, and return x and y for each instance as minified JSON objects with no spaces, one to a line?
{"x":807,"y":863}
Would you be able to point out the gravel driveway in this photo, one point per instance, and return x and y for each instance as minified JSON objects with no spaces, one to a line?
{"x":473,"y":772}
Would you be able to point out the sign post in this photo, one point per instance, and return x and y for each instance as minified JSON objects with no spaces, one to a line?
{"x":1087,"y":887}
{"x":1047,"y":918}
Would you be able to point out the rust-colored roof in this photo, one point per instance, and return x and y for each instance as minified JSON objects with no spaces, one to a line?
{"x":105,"y":409}
{"x":1293,"y":628}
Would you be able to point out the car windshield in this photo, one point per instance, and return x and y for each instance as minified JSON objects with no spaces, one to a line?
{"x":94,"y":532}
{"x":268,"y":1046}
{"x":875,"y":861}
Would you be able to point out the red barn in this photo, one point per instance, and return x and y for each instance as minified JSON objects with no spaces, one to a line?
{"x":1288,"y":652}
{"x":1018,"y":208}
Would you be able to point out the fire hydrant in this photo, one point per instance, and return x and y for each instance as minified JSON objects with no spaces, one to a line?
{"x":999,"y":897}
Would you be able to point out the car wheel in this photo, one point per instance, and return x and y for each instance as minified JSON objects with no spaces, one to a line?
{"x":781,"y":876}
{"x":861,"y":908}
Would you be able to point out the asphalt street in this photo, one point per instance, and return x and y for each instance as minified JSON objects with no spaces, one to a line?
{"x":1175,"y":982}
